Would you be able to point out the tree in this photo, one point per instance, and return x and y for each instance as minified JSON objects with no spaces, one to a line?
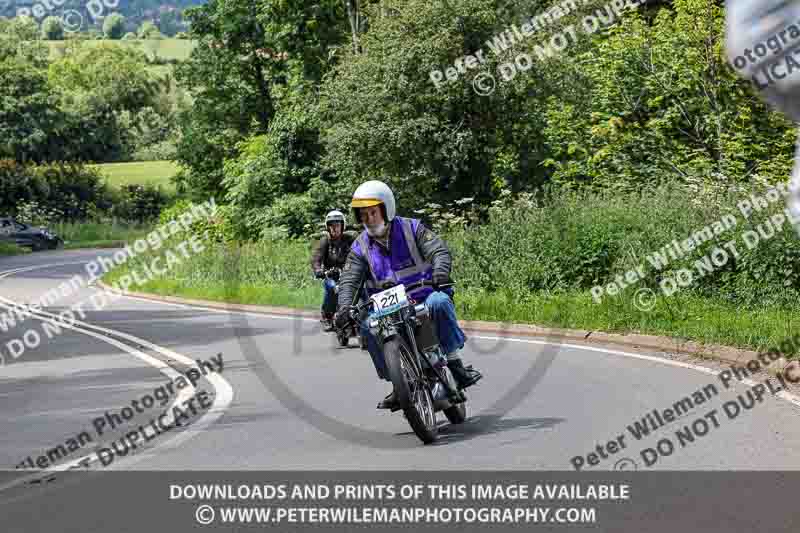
{"x":23,"y":29}
{"x":29,"y":115}
{"x":103,"y":88}
{"x":659,"y":103}
{"x":249,"y":55}
{"x":52,"y":29}
{"x":114,"y":26}
{"x":384,"y":118}
{"x":148,"y":30}
{"x":169,"y":22}
{"x":354,"y":18}
{"x":112,"y":73}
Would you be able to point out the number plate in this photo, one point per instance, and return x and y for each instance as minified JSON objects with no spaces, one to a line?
{"x":390,"y":300}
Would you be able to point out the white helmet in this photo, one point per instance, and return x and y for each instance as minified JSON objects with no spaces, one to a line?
{"x":374,"y":193}
{"x":335,"y":216}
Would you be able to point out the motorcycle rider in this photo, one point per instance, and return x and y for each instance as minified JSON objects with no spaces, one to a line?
{"x":761,"y":38}
{"x":331,"y":252}
{"x":401,"y":250}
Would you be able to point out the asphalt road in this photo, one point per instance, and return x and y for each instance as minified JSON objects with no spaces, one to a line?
{"x":288,"y":398}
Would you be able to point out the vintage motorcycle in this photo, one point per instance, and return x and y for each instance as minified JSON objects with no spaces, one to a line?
{"x":353,"y":329}
{"x":414,"y":358}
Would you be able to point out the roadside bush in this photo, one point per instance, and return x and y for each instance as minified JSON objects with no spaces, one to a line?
{"x":567,"y":241}
{"x":219,"y":228}
{"x":283,"y":263}
{"x":72,"y":189}
{"x":32,"y":213}
{"x":139,"y":203}
{"x":114,"y":26}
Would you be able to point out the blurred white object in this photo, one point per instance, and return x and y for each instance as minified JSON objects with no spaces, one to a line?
{"x":763,"y":45}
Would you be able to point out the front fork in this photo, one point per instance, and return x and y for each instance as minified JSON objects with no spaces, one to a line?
{"x":426,"y":366}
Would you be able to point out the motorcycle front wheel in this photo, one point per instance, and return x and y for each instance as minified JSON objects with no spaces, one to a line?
{"x":411,"y":390}
{"x":343,"y":337}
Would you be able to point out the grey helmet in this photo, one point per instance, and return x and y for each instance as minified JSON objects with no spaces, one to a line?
{"x":335,"y":216}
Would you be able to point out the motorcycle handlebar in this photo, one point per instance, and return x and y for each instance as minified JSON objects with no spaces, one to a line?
{"x":355,"y":310}
{"x":332,"y":273}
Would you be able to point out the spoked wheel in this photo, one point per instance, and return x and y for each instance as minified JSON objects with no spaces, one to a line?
{"x":412,"y":392}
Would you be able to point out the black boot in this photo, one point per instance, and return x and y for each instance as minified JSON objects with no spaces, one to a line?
{"x":390,"y":402}
{"x":464,"y":376}
{"x":327,"y":321}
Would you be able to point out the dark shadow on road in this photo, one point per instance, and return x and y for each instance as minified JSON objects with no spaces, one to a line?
{"x":484,"y":425}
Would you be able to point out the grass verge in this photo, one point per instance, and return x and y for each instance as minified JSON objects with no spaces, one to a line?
{"x":98,"y":235}
{"x":683,"y":316}
{"x":8,"y":248}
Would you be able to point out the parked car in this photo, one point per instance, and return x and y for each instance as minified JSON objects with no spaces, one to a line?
{"x":35,"y":238}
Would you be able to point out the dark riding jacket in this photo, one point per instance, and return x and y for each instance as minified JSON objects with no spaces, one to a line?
{"x":329,"y":253}
{"x":432,"y":250}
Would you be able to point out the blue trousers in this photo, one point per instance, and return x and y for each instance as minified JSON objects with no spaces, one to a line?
{"x":443,"y":313}
{"x":329,"y":297}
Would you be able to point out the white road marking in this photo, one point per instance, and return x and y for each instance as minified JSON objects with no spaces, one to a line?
{"x":789,"y":397}
{"x":223,"y":391}
{"x":783,"y":394}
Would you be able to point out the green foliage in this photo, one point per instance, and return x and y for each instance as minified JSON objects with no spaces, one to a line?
{"x":148,"y":30}
{"x":655,"y":101}
{"x":219,"y":228}
{"x":572,"y":241}
{"x":139,"y":203}
{"x":72,"y":190}
{"x":29,"y":117}
{"x":114,"y":26}
{"x":250,"y":57}
{"x":275,"y":179}
{"x":52,"y":29}
{"x":8,"y":248}
{"x":385,"y":118}
{"x":23,"y":29}
{"x":112,"y":101}
{"x":99,"y":232}
{"x":33,"y":213}
{"x":169,"y":22}
{"x":114,"y":75}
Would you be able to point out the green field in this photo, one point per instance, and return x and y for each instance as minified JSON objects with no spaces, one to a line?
{"x":140,"y":173}
{"x":154,"y":48}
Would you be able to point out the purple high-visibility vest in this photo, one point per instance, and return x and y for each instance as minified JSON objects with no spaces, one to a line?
{"x":403,"y":263}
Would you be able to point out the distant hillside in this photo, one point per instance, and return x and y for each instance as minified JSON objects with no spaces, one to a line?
{"x":82,"y":15}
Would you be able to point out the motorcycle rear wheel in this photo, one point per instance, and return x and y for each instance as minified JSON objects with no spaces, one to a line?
{"x":411,"y":390}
